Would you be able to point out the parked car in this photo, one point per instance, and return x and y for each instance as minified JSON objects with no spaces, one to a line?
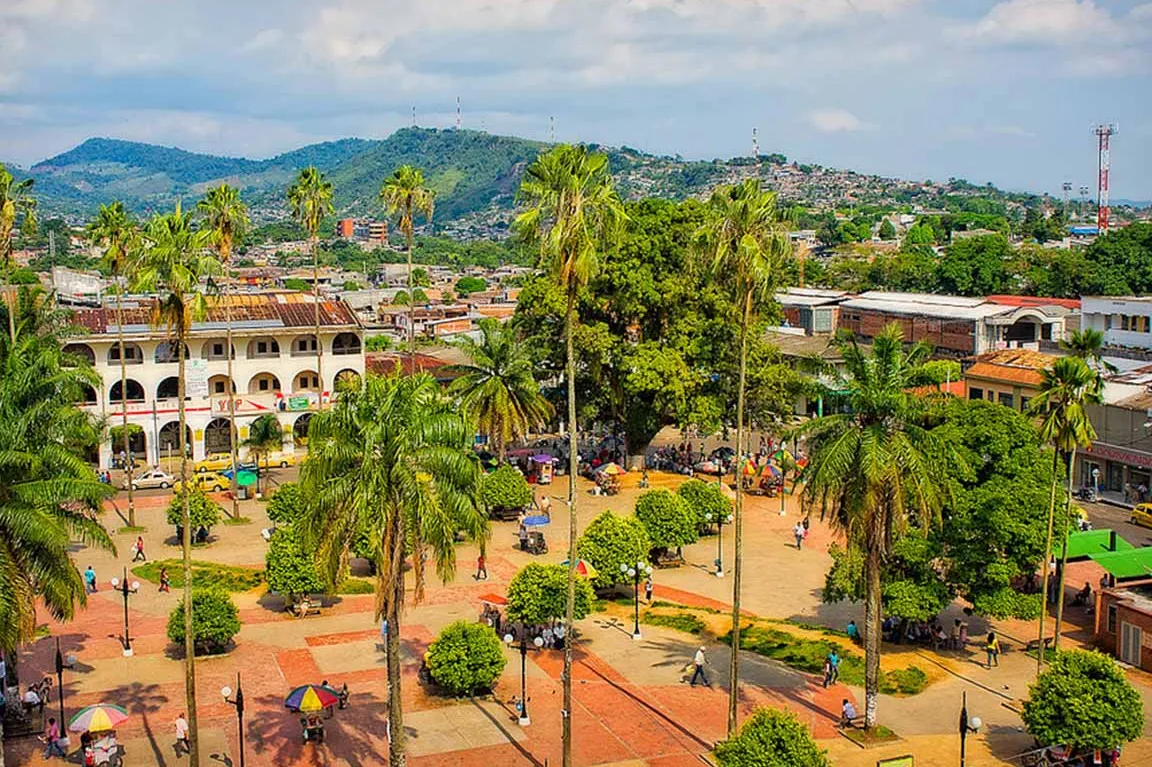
{"x":221,"y":462}
{"x":208,"y":481}
{"x":1142,"y":515}
{"x":283,"y":460}
{"x":148,"y":480}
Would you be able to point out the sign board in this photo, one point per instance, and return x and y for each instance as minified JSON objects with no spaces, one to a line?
{"x":897,"y":761}
{"x":196,"y":378}
{"x":299,"y":403}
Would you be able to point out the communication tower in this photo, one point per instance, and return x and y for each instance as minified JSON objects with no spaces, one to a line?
{"x":551,"y":130}
{"x":458,"y":121}
{"x":1083,"y":200}
{"x":1067,"y":187}
{"x":1103,"y":135}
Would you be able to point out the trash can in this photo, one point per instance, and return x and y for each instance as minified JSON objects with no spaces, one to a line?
{"x":242,"y":493}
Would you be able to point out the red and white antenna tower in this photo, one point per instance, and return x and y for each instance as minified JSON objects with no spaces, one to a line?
{"x":1103,"y":134}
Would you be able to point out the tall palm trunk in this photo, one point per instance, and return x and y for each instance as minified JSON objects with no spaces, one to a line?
{"x":573,"y":467}
{"x":397,"y":757}
{"x":1047,"y":559}
{"x":1064,"y":552}
{"x":316,"y":302}
{"x":232,"y":435}
{"x":872,"y":594}
{"x":186,"y":550}
{"x":124,"y":409}
{"x":738,"y":565}
{"x":9,"y":293}
{"x":411,"y":302}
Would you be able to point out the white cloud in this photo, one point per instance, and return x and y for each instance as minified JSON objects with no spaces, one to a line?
{"x":265,"y":38}
{"x":837,"y":121}
{"x":1045,"y":21}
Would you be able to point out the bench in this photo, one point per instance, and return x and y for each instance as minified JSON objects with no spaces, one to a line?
{"x":305,"y":608}
{"x":1034,"y":644}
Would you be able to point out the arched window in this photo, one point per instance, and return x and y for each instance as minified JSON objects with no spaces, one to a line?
{"x":300,"y":429}
{"x":166,"y":352}
{"x":263,"y":383}
{"x":135,"y":392}
{"x":263,"y":348}
{"x":218,"y":386}
{"x":217,"y":436}
{"x":346,"y":343}
{"x":169,"y":388}
{"x":133,"y":354}
{"x":81,"y":351}
{"x":306,"y":380}
{"x":303,"y":346}
{"x":214,"y":349}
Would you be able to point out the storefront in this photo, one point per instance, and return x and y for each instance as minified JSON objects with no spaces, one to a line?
{"x":1121,"y":475}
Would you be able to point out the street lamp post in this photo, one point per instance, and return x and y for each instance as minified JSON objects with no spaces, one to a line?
{"x":524,"y":720}
{"x":635,"y":572}
{"x":60,"y":690}
{"x":720,"y":520}
{"x":238,"y":702}
{"x":966,"y":725}
{"x":126,"y":590}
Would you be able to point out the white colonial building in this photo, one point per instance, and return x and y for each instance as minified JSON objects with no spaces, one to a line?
{"x":273,"y":369}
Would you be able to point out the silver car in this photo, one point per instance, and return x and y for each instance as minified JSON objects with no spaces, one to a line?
{"x":149,"y":479}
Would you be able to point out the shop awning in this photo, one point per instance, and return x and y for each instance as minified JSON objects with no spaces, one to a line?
{"x":1084,"y":545}
{"x":1133,"y":563}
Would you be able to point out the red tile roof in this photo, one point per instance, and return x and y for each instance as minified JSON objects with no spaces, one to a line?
{"x":989,"y":371}
{"x":1067,"y":303}
{"x":291,"y":309}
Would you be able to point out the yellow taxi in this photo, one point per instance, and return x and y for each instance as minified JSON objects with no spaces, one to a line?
{"x":283,"y":460}
{"x":214,"y":462}
{"x":208,"y":481}
{"x":1142,"y":515}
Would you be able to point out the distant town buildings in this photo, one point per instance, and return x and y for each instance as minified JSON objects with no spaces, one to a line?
{"x":362,"y":230}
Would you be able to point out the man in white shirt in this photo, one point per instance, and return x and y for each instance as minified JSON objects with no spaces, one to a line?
{"x":698,"y":668}
{"x":182,"y":735}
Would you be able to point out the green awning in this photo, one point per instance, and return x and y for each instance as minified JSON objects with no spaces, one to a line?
{"x":1084,"y":545}
{"x":1134,"y":563}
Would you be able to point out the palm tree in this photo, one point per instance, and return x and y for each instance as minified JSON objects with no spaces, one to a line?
{"x":226,"y":219}
{"x":870,"y":470}
{"x":404,"y":194}
{"x":391,"y":462}
{"x":17,"y":210}
{"x":573,"y":213}
{"x":1065,"y":390}
{"x":174,"y":264}
{"x":497,"y":389}
{"x":1088,"y":345}
{"x":311,"y":200}
{"x":117,"y":233}
{"x":49,"y":495}
{"x":747,"y":240}
{"x":264,"y":436}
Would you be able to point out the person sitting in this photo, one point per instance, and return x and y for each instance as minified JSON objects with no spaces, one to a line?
{"x":343,"y":696}
{"x":847,"y":714}
{"x":32,"y":701}
{"x":891,"y":629}
{"x":1083,"y":596}
{"x":853,"y":632}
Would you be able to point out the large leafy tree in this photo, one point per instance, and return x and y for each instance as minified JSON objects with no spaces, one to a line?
{"x":49,"y":496}
{"x":310,"y":198}
{"x":538,"y":594}
{"x":405,"y":195}
{"x":176,"y":264}
{"x":573,"y":213}
{"x":17,"y":212}
{"x":610,"y":541}
{"x":873,"y":469}
{"x":497,"y":388}
{"x":771,"y":738}
{"x":747,"y":241}
{"x":114,"y":230}
{"x":390,"y":465}
{"x":1066,"y":388}
{"x":226,"y":219}
{"x":975,"y":266}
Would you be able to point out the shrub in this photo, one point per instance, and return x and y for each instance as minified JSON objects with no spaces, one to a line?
{"x":215,"y":620}
{"x":467,"y":285}
{"x":771,"y":738}
{"x":667,"y":519}
{"x":705,"y":498}
{"x":290,"y":569}
{"x":466,"y":658}
{"x":1083,"y":700}
{"x":204,"y":575}
{"x":202,"y":510}
{"x":539,"y":594}
{"x":286,"y":504}
{"x":505,"y":488}
{"x":609,"y":542}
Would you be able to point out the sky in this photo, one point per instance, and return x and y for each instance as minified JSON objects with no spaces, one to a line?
{"x":1004,"y":91}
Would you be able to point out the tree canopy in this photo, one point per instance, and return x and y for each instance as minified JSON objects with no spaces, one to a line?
{"x":537,"y":594}
{"x":610,"y":541}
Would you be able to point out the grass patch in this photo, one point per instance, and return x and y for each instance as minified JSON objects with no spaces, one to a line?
{"x":131,"y":530}
{"x":208,"y":574}
{"x":877,"y":736}
{"x":908,"y":681}
{"x":709,"y":610}
{"x":356,"y":586}
{"x":680,"y":621}
{"x":232,"y":521}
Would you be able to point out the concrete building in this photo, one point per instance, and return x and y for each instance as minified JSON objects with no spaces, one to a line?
{"x":1011,"y":377}
{"x":273,"y":365}
{"x":1124,"y":624}
{"x":1119,"y":462}
{"x":814,"y":310}
{"x":1126,"y":322}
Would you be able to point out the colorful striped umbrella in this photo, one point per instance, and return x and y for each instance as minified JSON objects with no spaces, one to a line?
{"x":770,"y":471}
{"x":310,"y":697}
{"x":98,"y":718}
{"x":583,"y":567}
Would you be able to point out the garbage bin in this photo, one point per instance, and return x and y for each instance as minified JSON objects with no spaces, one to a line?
{"x":242,"y":493}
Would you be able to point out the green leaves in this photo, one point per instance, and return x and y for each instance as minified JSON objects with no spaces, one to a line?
{"x":771,"y":738}
{"x":466,"y":659}
{"x":202,"y":510}
{"x":706,"y":501}
{"x":290,"y":566}
{"x":611,"y":541}
{"x":286,"y":504}
{"x":215,"y":620}
{"x":1083,"y":700}
{"x":667,"y":518}
{"x":538,"y":594}
{"x":505,"y":488}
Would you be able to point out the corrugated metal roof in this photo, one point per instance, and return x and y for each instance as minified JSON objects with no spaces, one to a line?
{"x":916,"y":308}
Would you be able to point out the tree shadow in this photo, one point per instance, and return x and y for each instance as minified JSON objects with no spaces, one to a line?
{"x":503,"y":728}
{"x":281,"y":737}
{"x":143,"y":700}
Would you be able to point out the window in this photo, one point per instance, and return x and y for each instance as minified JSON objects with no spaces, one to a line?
{"x":1134,"y":323}
{"x":1005,"y":399}
{"x":974,"y":393}
{"x":1112,"y":619}
{"x":262,"y":347}
{"x":263,"y":383}
{"x":1024,"y":403}
{"x":217,"y":350}
{"x":218,"y":387}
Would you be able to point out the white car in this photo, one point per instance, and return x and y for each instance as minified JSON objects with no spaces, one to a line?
{"x":152,"y":478}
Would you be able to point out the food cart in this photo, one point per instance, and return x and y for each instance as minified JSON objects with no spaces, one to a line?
{"x":540,"y":469}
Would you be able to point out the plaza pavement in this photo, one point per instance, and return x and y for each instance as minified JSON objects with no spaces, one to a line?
{"x":632,"y":706}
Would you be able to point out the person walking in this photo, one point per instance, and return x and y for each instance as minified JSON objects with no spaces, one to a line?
{"x":798,"y":532}
{"x":138,"y":550}
{"x":992,"y":648}
{"x":648,"y":588}
{"x":833,"y":667}
{"x":90,"y":579}
{"x":481,"y":567}
{"x":165,"y":581}
{"x":698,"y":669}
{"x":52,"y":740}
{"x":182,"y":735}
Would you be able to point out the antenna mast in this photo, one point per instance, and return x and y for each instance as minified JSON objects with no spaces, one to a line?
{"x":551,"y":130}
{"x":1067,"y":187}
{"x":413,"y":115}
{"x":1083,"y":200}
{"x":1103,"y":166}
{"x":458,"y":121}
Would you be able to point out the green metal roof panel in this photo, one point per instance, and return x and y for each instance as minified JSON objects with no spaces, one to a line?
{"x":1084,"y":545}
{"x":1134,"y":563}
